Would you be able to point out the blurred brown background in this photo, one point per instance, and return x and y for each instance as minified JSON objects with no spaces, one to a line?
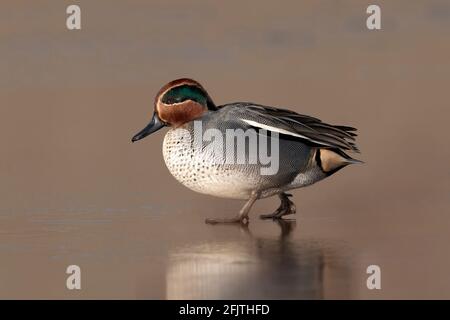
{"x":74,"y":190}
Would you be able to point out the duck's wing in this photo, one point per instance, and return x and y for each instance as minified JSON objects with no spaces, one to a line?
{"x":308,"y":129}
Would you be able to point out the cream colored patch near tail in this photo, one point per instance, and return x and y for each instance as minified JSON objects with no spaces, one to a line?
{"x":330,"y":160}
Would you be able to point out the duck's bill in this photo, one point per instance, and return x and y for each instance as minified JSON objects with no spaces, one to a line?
{"x":154,"y":125}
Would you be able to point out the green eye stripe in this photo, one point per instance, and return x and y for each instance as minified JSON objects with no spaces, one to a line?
{"x":183,"y":93}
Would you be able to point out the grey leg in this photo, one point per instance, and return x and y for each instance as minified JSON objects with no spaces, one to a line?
{"x":242,"y":216}
{"x":286,"y":207}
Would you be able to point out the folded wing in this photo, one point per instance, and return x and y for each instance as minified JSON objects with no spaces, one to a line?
{"x":308,"y":129}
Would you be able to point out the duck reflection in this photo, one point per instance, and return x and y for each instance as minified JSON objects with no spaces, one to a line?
{"x":256,"y":268}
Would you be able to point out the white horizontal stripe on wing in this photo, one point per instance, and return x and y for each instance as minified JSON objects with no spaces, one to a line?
{"x":279,"y":130}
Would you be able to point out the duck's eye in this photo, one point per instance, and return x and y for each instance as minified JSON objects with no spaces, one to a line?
{"x":183,"y":93}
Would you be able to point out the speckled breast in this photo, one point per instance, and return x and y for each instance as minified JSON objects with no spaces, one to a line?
{"x":201,"y":171}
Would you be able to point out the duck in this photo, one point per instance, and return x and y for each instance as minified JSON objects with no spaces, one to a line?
{"x":307,"y":149}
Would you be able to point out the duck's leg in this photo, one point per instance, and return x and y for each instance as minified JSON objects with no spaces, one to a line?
{"x":242,"y":216}
{"x":286,"y":207}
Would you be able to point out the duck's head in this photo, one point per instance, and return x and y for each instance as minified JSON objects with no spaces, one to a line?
{"x":177,"y":103}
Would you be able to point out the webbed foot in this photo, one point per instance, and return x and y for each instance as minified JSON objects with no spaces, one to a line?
{"x":286,"y":207}
{"x":242,"y":217}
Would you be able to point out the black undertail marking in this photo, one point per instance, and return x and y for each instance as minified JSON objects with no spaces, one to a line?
{"x":318,"y":160}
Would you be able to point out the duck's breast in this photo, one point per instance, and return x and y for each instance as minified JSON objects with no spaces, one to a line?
{"x":201,"y":170}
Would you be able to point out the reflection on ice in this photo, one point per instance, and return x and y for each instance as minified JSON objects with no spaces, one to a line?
{"x":256,"y":268}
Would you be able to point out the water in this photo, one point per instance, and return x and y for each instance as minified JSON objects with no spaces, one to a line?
{"x":171,"y":257}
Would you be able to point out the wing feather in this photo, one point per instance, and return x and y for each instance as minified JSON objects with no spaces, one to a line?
{"x":309,"y":129}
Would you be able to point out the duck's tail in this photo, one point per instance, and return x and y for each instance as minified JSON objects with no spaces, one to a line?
{"x":332,"y":160}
